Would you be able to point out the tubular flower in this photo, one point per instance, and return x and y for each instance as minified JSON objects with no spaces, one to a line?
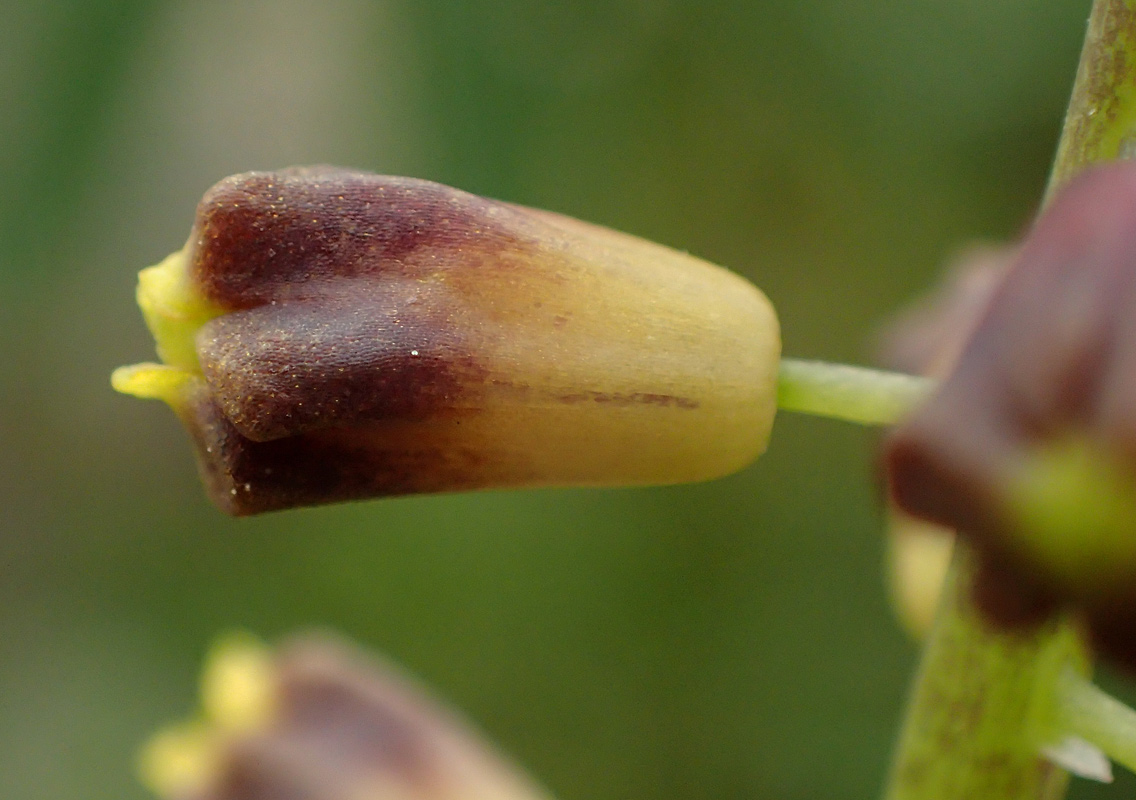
{"x":1029,"y":446}
{"x":926,"y":339}
{"x":317,"y":720}
{"x":331,"y":335}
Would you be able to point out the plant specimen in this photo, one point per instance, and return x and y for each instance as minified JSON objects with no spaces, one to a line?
{"x":330,"y":335}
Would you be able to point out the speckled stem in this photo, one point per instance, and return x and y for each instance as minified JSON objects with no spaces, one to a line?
{"x":1100,"y":124}
{"x":975,"y":720}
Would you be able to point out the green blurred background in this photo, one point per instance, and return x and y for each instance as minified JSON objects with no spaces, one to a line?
{"x":727,"y":640}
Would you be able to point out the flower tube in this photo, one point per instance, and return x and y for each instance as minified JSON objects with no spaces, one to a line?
{"x":330,"y":335}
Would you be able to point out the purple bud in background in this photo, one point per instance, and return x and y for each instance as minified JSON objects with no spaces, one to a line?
{"x":1029,"y":447}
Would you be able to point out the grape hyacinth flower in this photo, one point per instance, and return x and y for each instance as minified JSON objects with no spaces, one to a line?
{"x":329,"y":335}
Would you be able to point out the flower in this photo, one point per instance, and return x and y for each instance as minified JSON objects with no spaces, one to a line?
{"x":1029,"y":447}
{"x":316,"y":719}
{"x":927,"y":339}
{"x":330,"y":335}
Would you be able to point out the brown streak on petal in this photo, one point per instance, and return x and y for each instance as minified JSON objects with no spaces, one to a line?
{"x":385,"y":336}
{"x":630,"y":399}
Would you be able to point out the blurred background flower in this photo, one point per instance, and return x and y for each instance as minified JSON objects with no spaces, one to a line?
{"x":730,"y":639}
{"x":317,"y":719}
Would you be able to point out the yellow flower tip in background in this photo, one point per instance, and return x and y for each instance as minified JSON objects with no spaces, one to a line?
{"x":180,"y":761}
{"x":238,"y":698}
{"x":237,"y":685}
{"x":345,"y":335}
{"x":337,"y":725}
{"x":918,"y":556}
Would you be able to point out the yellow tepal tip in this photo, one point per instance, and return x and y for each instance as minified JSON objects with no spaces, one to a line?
{"x":153,"y":382}
{"x":174,"y":309}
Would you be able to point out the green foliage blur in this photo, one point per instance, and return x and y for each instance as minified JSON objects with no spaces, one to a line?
{"x":727,"y":640}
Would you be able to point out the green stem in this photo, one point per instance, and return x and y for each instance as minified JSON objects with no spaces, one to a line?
{"x":1085,"y":711}
{"x":855,"y":394}
{"x":1100,"y":124}
{"x":974,"y":721}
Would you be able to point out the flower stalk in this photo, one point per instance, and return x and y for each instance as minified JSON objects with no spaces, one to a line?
{"x":853,"y":394}
{"x":971,"y":728}
{"x":1083,"y":710}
